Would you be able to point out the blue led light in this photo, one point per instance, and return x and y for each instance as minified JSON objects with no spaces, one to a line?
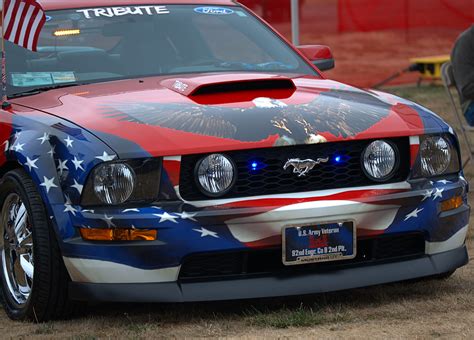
{"x":338,"y":159}
{"x":256,"y":165}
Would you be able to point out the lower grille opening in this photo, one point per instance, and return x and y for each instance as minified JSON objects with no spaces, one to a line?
{"x":268,"y":261}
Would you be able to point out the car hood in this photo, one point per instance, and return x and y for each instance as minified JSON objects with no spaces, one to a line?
{"x":220,"y":112}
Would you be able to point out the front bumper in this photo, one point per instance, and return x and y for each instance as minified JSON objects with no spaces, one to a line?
{"x":106,"y":271}
{"x":260,"y":287}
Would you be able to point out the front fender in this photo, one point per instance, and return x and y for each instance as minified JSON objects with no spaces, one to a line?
{"x":58,"y":155}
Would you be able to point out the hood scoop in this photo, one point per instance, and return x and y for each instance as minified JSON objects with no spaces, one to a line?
{"x":219,"y":89}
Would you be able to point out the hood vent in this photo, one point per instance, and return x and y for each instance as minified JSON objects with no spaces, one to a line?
{"x":246,"y":85}
{"x":231,"y":88}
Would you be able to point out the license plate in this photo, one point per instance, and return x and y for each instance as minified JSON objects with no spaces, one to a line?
{"x":319,"y":243}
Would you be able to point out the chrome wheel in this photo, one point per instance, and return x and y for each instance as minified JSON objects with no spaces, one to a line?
{"x":17,"y":248}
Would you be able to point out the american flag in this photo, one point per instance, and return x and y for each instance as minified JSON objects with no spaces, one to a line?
{"x":23,"y":22}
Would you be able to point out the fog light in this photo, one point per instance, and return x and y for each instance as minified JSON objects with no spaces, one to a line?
{"x":215,"y":175}
{"x":452,"y":203}
{"x":118,"y":234}
{"x":379,"y":160}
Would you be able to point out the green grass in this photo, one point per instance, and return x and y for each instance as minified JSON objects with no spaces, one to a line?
{"x":301,"y":316}
{"x":45,"y":328}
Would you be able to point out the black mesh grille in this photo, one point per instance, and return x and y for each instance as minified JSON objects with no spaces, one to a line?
{"x":268,"y":261}
{"x":272,"y":179}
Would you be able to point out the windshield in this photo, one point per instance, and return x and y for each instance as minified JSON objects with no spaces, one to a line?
{"x":99,"y":44}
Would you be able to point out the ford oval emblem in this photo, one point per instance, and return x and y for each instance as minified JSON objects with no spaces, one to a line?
{"x":213,"y":10}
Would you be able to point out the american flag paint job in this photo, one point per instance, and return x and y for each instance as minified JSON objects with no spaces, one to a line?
{"x":60,"y":154}
{"x":59,"y":136}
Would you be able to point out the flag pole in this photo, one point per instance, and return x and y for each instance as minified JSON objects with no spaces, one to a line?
{"x":5,"y":104}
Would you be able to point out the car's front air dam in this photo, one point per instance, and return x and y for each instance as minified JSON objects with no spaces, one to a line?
{"x":260,"y":287}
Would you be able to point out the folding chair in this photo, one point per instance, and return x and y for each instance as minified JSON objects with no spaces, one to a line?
{"x":449,"y":82}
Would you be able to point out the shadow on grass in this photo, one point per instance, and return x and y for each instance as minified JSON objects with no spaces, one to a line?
{"x":299,"y":311}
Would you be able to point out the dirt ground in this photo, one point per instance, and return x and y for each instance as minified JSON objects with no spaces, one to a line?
{"x":364,"y":58}
{"x":367,"y":58}
{"x":426,"y":309}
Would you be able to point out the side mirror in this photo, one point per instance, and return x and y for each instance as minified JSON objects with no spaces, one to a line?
{"x":319,"y":55}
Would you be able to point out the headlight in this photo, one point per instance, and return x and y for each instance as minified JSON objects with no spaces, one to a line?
{"x":379,"y":160}
{"x":436,"y":154}
{"x":215,"y":175}
{"x":114,"y":182}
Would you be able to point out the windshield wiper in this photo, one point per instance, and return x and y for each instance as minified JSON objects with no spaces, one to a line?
{"x":43,"y":89}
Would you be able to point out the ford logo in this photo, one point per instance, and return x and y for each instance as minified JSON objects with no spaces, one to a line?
{"x":214,"y":10}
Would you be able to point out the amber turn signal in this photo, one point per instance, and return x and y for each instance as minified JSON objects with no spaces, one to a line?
{"x":452,"y":203}
{"x":118,"y":234}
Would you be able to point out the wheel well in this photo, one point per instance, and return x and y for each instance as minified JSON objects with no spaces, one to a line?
{"x":9,"y":166}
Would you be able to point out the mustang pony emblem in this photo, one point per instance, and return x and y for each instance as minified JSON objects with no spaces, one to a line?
{"x":302,"y":167}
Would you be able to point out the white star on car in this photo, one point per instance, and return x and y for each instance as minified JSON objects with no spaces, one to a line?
{"x":166,"y":217}
{"x":77,"y":186}
{"x":70,"y":208}
{"x":44,"y":139}
{"x":48,"y":183}
{"x":186,"y":216}
{"x":204,"y":232}
{"x":106,"y":157}
{"x":68,"y":200}
{"x":438,"y":193}
{"x":62,"y":166}
{"x":18,"y":147}
{"x":69,"y":142}
{"x":77,"y":163}
{"x":108,"y":220}
{"x":51,"y":151}
{"x":31,"y":163}
{"x":427,"y":194}
{"x":413,"y":214}
{"x":444,"y":181}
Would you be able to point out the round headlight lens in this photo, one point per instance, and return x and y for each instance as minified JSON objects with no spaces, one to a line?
{"x":215,"y":175}
{"x":379,"y":160}
{"x":436,"y":153}
{"x":114,"y":182}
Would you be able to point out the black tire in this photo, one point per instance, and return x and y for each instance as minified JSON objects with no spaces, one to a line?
{"x":48,"y":297}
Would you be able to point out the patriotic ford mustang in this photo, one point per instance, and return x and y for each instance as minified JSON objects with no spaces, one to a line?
{"x":172,"y":151}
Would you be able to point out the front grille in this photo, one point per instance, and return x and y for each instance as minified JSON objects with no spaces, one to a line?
{"x":272,"y":179}
{"x":268,"y":261}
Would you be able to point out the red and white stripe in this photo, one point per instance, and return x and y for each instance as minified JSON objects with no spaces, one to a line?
{"x":24,"y":20}
{"x":414,"y":149}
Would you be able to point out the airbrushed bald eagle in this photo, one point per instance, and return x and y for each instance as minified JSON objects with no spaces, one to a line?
{"x":338,"y":112}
